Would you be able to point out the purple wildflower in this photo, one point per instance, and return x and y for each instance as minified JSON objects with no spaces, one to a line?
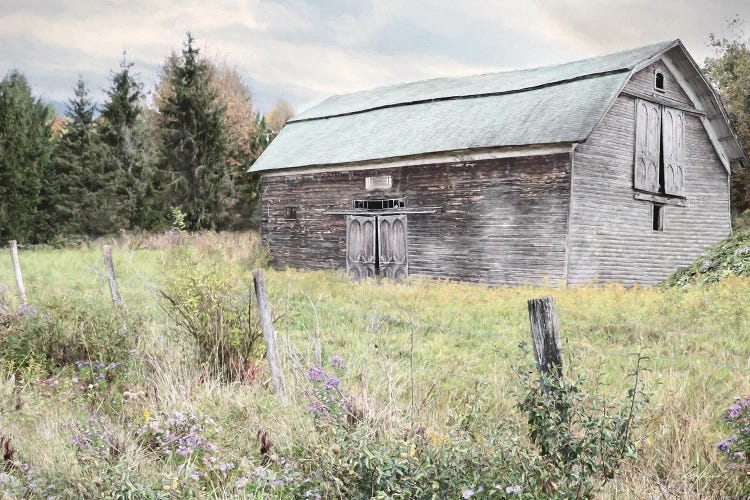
{"x":332,"y":382}
{"x":738,"y":455}
{"x":734,"y":411}
{"x":315,"y":373}
{"x":467,"y":493}
{"x":338,"y":362}
{"x":514,"y":490}
{"x":723,"y":446}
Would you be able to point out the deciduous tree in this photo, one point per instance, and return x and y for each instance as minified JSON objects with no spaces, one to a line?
{"x":729,"y":71}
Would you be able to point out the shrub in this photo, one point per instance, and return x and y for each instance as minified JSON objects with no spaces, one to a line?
{"x":205,"y":301}
{"x":575,"y":443}
{"x":580,"y":438}
{"x":61,"y":332}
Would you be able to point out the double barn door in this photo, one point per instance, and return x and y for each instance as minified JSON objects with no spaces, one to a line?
{"x":376,"y":246}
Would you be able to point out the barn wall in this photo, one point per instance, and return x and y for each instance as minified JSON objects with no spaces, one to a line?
{"x":503,"y":221}
{"x":611,"y":234}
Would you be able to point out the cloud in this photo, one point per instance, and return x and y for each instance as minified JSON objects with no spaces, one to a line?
{"x":305,"y":50}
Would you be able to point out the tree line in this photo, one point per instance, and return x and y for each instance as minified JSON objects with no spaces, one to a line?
{"x":183,"y":159}
{"x":130,"y":165}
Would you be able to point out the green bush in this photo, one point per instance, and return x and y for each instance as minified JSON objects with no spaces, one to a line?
{"x":59,"y":332}
{"x":575,"y":442}
{"x":206,"y":301}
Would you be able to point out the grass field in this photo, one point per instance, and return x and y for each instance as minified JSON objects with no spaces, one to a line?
{"x":415,"y":354}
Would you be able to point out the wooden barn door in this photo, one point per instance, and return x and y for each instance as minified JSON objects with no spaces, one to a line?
{"x":392,"y":250}
{"x":647,"y":141}
{"x":361,"y":260}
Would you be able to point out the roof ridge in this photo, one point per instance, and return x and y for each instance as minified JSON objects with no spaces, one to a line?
{"x":386,"y":101}
{"x":465,"y":96}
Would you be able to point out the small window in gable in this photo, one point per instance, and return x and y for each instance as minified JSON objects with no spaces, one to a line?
{"x":291,"y":213}
{"x":659,"y":81}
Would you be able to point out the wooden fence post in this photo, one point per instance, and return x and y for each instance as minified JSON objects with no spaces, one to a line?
{"x":545,"y":335}
{"x":269,"y":334}
{"x":17,"y":271}
{"x":114,"y":290}
{"x":3,"y":307}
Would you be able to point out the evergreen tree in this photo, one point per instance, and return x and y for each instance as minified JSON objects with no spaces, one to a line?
{"x":85,"y":196}
{"x":24,"y":157}
{"x":193,"y":145}
{"x":129,"y":134}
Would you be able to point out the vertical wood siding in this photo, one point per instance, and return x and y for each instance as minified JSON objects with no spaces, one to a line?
{"x":611,"y":235}
{"x":504,"y":221}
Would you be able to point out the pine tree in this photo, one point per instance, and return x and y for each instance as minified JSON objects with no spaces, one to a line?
{"x":193,"y":145}
{"x":129,"y":134}
{"x":24,"y":157}
{"x":85,"y":196}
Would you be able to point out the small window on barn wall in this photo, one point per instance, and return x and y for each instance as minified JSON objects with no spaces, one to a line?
{"x":378,"y":183}
{"x":291,"y":213}
{"x":657,"y":217}
{"x":659,"y":81}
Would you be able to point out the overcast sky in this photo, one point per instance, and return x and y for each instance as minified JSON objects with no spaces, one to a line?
{"x":305,"y":50}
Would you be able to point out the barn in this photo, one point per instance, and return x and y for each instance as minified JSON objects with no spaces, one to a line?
{"x":614,"y":168}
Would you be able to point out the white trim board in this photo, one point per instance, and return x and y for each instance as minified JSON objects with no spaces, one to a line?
{"x":455,"y":157}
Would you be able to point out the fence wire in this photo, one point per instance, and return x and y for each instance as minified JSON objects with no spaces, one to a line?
{"x":399,"y":321}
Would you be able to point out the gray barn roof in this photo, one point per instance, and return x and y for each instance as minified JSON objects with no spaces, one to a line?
{"x":555,"y":104}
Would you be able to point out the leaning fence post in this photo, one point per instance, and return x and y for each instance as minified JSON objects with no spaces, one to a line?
{"x":114,"y":290}
{"x":269,"y":334}
{"x":545,"y":335}
{"x":17,"y":271}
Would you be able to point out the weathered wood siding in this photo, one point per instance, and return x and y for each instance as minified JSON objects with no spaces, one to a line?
{"x":611,"y":235}
{"x":503,"y":221}
{"x":643,"y":83}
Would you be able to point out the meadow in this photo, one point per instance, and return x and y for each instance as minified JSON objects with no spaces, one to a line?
{"x":419,"y":359}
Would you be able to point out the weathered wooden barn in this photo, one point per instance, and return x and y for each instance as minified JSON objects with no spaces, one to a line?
{"x":614,"y":168}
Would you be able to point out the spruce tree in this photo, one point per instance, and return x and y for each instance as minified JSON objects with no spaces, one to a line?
{"x":193,"y":146}
{"x":24,"y":157}
{"x":85,"y":197}
{"x":129,"y":136}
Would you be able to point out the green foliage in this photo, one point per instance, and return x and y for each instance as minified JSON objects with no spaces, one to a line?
{"x":193,"y":145}
{"x":85,"y":200}
{"x":24,"y":157}
{"x":129,"y":134}
{"x":60,"y":332}
{"x":731,"y":257}
{"x":580,"y":437}
{"x":729,"y":70}
{"x":576,"y":442}
{"x":202,"y":298}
